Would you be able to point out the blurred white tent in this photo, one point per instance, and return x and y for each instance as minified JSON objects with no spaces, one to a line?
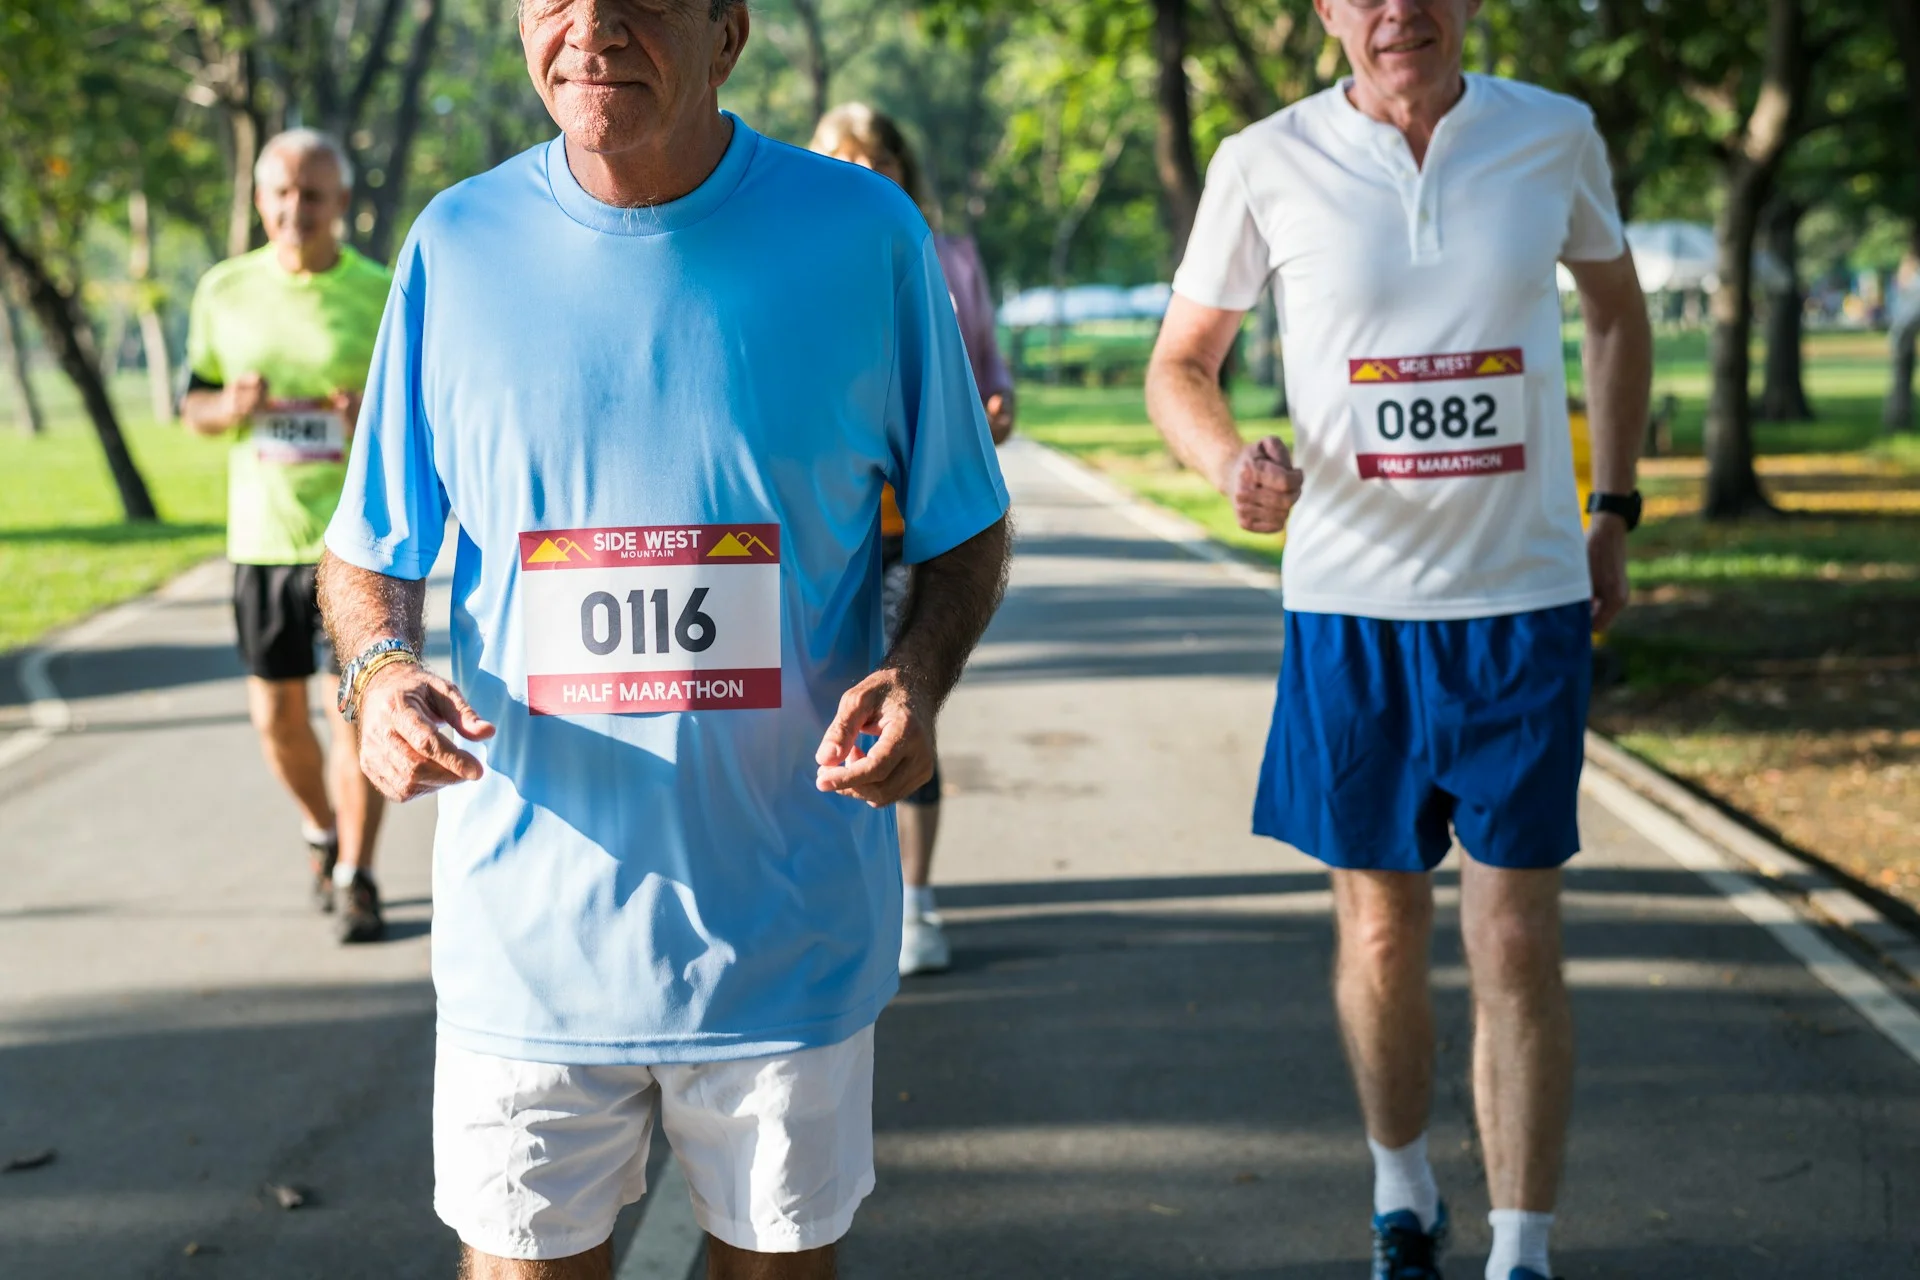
{"x":1085,"y":302}
{"x":1675,"y":257}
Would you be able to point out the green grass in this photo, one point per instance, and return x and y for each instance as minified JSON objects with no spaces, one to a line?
{"x":64,"y":550}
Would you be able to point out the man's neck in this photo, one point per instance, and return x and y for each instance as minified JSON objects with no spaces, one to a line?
{"x":654,"y":175}
{"x":1415,"y":115}
{"x":308,"y":258}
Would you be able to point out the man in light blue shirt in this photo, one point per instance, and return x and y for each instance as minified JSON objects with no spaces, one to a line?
{"x":659,"y":371}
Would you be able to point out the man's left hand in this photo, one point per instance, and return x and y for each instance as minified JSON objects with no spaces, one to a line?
{"x":1607,"y":560}
{"x":898,"y":764}
{"x":1000,"y":415}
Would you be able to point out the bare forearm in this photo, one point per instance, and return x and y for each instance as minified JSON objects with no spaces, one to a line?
{"x":954,"y":598}
{"x":1619,"y":373}
{"x":362,"y":608}
{"x":1186,"y":404}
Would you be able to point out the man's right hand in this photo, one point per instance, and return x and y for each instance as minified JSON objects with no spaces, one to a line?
{"x":1263,"y":484}
{"x":401,"y":750}
{"x":245,"y":396}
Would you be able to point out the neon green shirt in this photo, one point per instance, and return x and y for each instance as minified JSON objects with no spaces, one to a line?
{"x":308,"y":336}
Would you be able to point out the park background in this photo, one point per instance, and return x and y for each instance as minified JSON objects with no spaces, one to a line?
{"x":1772,"y":657}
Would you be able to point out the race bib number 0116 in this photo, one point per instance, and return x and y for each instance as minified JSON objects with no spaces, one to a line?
{"x":288,"y":431}
{"x":640,"y":620}
{"x":1440,"y":417}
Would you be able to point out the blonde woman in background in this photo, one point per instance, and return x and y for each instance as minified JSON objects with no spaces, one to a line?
{"x":858,"y":134}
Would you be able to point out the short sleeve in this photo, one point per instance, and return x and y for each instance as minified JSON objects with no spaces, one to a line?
{"x":1593,"y":222}
{"x":393,"y":511}
{"x":945,"y":473}
{"x":203,"y":362}
{"x":1227,"y":262}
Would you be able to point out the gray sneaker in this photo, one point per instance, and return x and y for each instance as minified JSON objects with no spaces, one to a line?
{"x":322,"y":856}
{"x":360,"y":918}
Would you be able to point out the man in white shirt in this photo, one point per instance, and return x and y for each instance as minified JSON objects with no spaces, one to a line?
{"x":1440,"y":591}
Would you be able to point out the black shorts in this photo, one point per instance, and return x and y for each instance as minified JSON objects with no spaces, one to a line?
{"x":276,"y":610}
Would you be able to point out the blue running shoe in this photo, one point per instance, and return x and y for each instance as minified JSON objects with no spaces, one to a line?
{"x":1526,"y":1273}
{"x":1402,"y":1251}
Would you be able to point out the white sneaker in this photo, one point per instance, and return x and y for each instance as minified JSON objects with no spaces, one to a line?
{"x":923,"y":947}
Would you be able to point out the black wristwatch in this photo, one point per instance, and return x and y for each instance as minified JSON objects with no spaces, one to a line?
{"x":1627,"y":506}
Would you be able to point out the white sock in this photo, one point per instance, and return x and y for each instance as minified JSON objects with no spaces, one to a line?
{"x":1519,"y":1240}
{"x":318,"y":835}
{"x":1403,"y":1179}
{"x":343,"y":875}
{"x":918,"y":901}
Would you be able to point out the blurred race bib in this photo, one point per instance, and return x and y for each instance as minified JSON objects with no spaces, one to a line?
{"x":290,"y":431}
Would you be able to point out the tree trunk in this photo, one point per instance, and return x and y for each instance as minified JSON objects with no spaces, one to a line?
{"x":819,"y":57}
{"x":1904,"y":19}
{"x":1733,"y":487}
{"x":406,"y":123}
{"x":66,"y":331}
{"x":27,"y":414}
{"x":153,"y":334}
{"x":1173,"y":151}
{"x":1753,"y":158}
{"x":244,"y":134}
{"x":1784,"y":397}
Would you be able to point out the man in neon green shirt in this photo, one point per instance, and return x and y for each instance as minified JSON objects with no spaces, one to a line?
{"x":278,"y":348}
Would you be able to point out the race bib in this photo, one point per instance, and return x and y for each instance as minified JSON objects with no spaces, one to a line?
{"x":288,"y":431}
{"x":1439,"y":417}
{"x":638,"y":620}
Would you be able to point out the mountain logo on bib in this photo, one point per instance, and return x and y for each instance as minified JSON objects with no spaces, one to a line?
{"x":1498,"y":363}
{"x":562,"y":551}
{"x":1376,"y":371}
{"x":736,"y":546}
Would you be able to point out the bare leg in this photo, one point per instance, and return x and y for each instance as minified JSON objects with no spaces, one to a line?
{"x":1523,"y":1030}
{"x":724,"y":1262}
{"x":1385,"y":924}
{"x":278,"y":709}
{"x":919,"y":827}
{"x":356,"y":802}
{"x":595,"y":1264}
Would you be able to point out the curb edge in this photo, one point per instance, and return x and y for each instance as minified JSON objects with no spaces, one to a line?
{"x":1816,"y":888}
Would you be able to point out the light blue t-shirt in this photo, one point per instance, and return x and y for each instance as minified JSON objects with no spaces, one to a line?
{"x":663,"y":433}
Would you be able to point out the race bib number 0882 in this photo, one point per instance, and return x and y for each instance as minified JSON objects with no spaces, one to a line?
{"x":1441,"y":416}
{"x":638,"y":620}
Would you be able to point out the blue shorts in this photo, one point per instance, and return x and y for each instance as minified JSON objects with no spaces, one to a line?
{"x":1386,"y":733}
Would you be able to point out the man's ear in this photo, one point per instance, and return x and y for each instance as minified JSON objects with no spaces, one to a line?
{"x":737,"y":25}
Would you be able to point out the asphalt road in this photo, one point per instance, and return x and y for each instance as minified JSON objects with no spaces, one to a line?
{"x":1131,"y":1072}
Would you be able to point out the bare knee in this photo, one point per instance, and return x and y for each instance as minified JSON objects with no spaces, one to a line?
{"x":278,"y":709}
{"x":1514,"y":954}
{"x":1385,"y":925}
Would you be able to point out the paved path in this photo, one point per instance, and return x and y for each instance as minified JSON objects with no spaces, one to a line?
{"x":1132,"y":1072}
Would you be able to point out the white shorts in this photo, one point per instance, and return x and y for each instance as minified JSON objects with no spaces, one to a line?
{"x":533,"y":1160}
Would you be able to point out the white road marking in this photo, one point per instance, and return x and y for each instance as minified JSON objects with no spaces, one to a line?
{"x":19,"y":746}
{"x":668,"y":1241}
{"x":52,"y":715}
{"x":1866,"y":992}
{"x":1872,"y":998}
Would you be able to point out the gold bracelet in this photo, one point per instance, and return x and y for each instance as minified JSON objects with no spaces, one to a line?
{"x":367,"y":672}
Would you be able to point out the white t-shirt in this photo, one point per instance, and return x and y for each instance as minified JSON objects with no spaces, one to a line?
{"x":1423,"y":348}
